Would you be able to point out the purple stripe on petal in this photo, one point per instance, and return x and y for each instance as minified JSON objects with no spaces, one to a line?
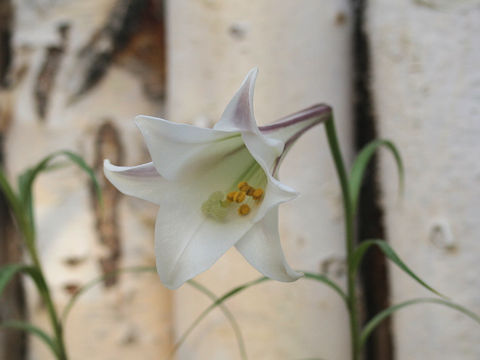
{"x":147,"y":170}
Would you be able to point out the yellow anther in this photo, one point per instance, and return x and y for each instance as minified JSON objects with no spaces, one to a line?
{"x":250,"y":191}
{"x":244,"y":210}
{"x":243,"y":186}
{"x":231,"y":196}
{"x":257,"y":194}
{"x":239,"y":196}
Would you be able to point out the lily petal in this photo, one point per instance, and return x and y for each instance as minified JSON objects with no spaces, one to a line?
{"x":262,"y":249}
{"x":238,"y":116}
{"x":192,"y":171}
{"x":142,"y":181}
{"x":181,"y":150}
{"x":188,"y":243}
{"x":276,"y":194}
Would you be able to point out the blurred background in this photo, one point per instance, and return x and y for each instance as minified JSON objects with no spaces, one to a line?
{"x":73,"y":74}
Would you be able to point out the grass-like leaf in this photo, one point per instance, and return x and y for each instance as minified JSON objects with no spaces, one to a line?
{"x":361,"y":162}
{"x":12,"y":199}
{"x":140,"y":269}
{"x":42,"y":335}
{"x":99,"y":280}
{"x":390,"y":254}
{"x":323,"y":279}
{"x":228,"y":314}
{"x":7,"y":272}
{"x":216,"y":303}
{"x":27,"y":178}
{"x":311,"y":276}
{"x":377,"y":319}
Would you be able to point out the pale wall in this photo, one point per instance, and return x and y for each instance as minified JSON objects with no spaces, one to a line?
{"x":303,"y":56}
{"x":426,"y":86}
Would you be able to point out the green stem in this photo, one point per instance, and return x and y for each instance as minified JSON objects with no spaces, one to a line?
{"x":45,"y":291}
{"x":23,"y":213}
{"x":349,"y":234}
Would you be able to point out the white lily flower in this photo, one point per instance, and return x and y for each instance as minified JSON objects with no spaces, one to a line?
{"x":216,"y":188}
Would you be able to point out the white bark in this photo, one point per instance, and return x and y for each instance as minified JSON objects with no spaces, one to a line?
{"x":131,"y":318}
{"x":426,"y":83}
{"x":302,"y":51}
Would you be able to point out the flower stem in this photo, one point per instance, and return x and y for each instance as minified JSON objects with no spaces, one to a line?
{"x":29,"y":234}
{"x":349,"y":234}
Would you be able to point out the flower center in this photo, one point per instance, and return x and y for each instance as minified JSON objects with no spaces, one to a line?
{"x":243,"y":199}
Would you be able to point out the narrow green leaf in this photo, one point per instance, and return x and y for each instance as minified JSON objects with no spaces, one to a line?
{"x":377,"y":319}
{"x":240,"y":288}
{"x":328,"y":282}
{"x":361,"y":162}
{"x":392,"y":255}
{"x":228,"y":314}
{"x":12,"y":199}
{"x":42,"y":335}
{"x":7,"y":272}
{"x":216,"y":303}
{"x":27,"y":178}
{"x":99,"y":280}
{"x":138,"y":269}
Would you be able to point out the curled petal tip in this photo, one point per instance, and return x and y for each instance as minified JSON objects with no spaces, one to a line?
{"x":108,"y":166}
{"x":140,"y":119}
{"x":251,"y":78}
{"x":253,"y":71}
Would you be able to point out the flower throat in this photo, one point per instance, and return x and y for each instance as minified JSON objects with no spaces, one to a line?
{"x":243,"y":198}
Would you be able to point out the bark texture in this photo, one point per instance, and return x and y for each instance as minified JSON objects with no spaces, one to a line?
{"x":426,"y":85}
{"x":12,"y":301}
{"x":303,"y":53}
{"x":77,"y":82}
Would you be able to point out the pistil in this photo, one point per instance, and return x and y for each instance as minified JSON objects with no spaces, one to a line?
{"x":217,"y":204}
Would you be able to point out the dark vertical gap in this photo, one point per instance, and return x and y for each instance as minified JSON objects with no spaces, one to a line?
{"x":13,"y":344}
{"x":5,"y":40}
{"x":374,"y":272}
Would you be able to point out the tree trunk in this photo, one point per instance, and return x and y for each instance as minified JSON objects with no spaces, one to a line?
{"x":82,"y":71}
{"x":426,"y":85}
{"x":303,"y":56}
{"x":12,"y":301}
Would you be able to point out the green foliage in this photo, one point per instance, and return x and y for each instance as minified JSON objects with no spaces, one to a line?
{"x":360,"y":165}
{"x":7,"y":272}
{"x":323,"y":279}
{"x":98,"y":280}
{"x":21,"y":205}
{"x":309,"y":276}
{"x":377,"y":319}
{"x":228,"y":314}
{"x":42,"y":335}
{"x":27,"y":178}
{"x":141,"y":269}
{"x":390,"y":254}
